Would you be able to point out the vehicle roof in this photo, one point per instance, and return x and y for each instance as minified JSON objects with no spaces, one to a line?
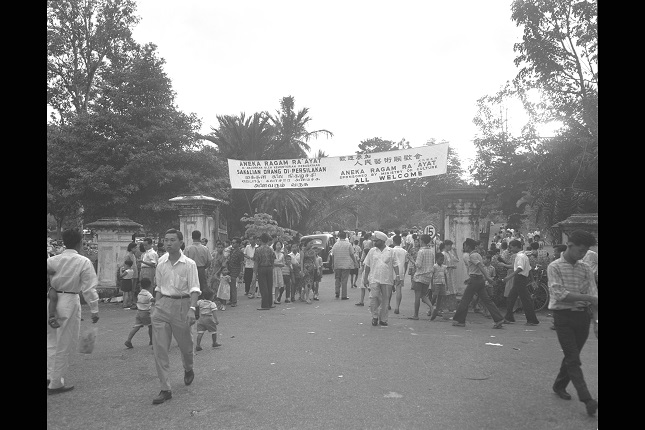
{"x":313,"y":236}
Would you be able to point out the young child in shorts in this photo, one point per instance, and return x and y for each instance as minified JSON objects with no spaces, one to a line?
{"x":207,"y":319}
{"x":438,"y":284}
{"x":126,"y":273}
{"x":287,"y":277}
{"x":145,"y":300}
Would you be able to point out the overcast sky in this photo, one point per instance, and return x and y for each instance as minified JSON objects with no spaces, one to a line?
{"x":405,"y":69}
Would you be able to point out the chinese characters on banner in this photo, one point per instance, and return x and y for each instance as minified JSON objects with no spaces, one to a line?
{"x":334,"y":171}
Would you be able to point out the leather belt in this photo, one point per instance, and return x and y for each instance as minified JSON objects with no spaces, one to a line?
{"x":476,"y":276}
{"x":185,"y":296}
{"x":66,"y":292}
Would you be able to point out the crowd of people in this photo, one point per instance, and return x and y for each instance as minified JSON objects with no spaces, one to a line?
{"x":177,"y":285}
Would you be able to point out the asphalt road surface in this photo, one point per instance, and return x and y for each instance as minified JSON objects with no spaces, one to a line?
{"x":324,"y":366}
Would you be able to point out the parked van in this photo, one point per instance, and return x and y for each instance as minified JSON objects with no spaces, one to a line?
{"x":324,"y":242}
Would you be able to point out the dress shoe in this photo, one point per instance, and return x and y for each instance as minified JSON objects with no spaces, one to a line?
{"x":344,"y":298}
{"x":396,"y":311}
{"x":458,"y":324}
{"x":382,"y":323}
{"x":359,"y":304}
{"x":562,"y":393}
{"x":374,"y":321}
{"x":531,"y":323}
{"x":59,"y":389}
{"x":162,"y":397}
{"x":498,"y":324}
{"x":189,"y":376}
{"x":263,"y":309}
{"x":198,"y":348}
{"x":215,"y":345}
{"x":505,"y":321}
{"x":592,"y":406}
{"x":337,"y":295}
{"x":128,"y":344}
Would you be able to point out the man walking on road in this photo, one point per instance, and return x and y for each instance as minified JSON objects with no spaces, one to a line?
{"x":381,"y":268}
{"x":202,"y":257}
{"x":476,"y":285}
{"x":74,"y":274}
{"x":344,"y":261}
{"x":521,"y":268}
{"x":263,"y":259}
{"x":176,"y":293}
{"x":573,"y":300}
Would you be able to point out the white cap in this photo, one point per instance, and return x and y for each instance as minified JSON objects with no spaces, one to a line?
{"x":380,"y":235}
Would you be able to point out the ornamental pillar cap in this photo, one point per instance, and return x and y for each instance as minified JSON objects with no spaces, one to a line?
{"x":115,"y":223}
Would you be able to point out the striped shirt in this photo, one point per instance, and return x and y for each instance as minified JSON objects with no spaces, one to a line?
{"x":565,"y":278}
{"x":424,"y":265}
{"x":342,"y":252}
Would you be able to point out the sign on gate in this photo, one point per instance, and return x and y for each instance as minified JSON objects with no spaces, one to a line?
{"x":431,"y":230}
{"x":354,"y":169}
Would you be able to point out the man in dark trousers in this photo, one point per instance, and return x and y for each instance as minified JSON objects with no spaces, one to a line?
{"x":574,"y":302}
{"x":521,"y":269}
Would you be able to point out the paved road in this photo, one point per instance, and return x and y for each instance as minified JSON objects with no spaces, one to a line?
{"x":323,"y":366}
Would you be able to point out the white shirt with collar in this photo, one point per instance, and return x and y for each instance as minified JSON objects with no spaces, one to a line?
{"x":177,"y":279}
{"x":75,"y":274}
{"x":522,"y":262}
{"x":381,"y":264}
{"x":249,"y":251}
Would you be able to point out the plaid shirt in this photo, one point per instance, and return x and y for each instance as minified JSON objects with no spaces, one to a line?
{"x":565,"y":278}
{"x":424,"y":265}
{"x":236,"y":263}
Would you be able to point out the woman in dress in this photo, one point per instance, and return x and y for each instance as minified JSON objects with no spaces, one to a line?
{"x":450,"y":260}
{"x":309,"y":265}
{"x":412,"y":257}
{"x":278,"y":264}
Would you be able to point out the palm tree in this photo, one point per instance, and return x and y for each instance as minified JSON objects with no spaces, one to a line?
{"x":286,"y":206}
{"x":243,"y":138}
{"x":291,"y":130}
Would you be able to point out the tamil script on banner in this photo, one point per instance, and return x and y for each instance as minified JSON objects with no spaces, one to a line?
{"x":333,"y":171}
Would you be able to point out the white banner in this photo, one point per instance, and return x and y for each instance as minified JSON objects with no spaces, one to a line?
{"x":333,"y":171}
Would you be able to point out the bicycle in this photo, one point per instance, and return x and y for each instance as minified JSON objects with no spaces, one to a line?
{"x":538,"y":288}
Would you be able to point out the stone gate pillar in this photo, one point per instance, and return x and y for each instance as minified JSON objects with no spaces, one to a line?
{"x":197,"y":212}
{"x":114,"y":235}
{"x":461,"y":221}
{"x":586,"y":222}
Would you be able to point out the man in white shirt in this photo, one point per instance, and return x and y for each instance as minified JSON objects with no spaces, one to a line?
{"x":591,"y":258}
{"x":176,"y":294}
{"x":249,"y":252}
{"x":521,"y":269}
{"x":400,"y":254}
{"x":149,"y":261}
{"x":73,"y":273}
{"x":381,"y":268}
{"x":295,"y":261}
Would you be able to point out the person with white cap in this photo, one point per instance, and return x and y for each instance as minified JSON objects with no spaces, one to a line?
{"x":381,"y":268}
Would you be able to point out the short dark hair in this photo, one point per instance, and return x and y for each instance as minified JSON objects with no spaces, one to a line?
{"x":131,"y":246}
{"x":149,"y":240}
{"x":196,"y":234}
{"x":236,"y":240}
{"x":207,"y":294}
{"x":439,"y":256}
{"x":535,"y":245}
{"x":560,"y":248}
{"x":265,"y":238}
{"x":146,"y":283}
{"x":425,"y":238}
{"x":342,"y":234}
{"x":71,"y":238}
{"x":447,"y":242}
{"x":128,"y":262}
{"x":516,"y":243}
{"x":141,"y":248}
{"x":180,"y":236}
{"x":504,"y":245}
{"x":536,"y":236}
{"x":396,"y":239}
{"x":470,"y":242}
{"x":579,"y":237}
